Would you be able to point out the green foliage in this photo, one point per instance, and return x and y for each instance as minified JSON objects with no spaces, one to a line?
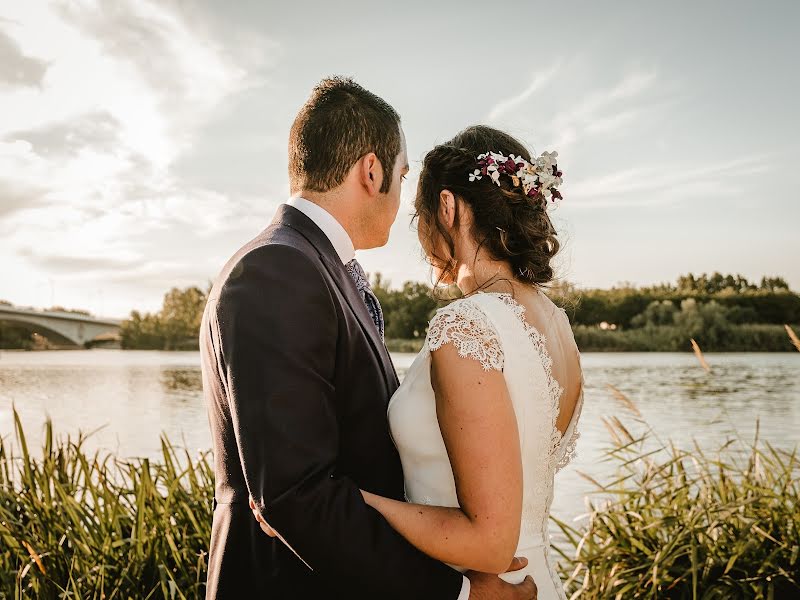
{"x":406,"y":311}
{"x":658,"y":312}
{"x":80,"y":525}
{"x":664,"y":327}
{"x":412,"y":346}
{"x":683,"y":524}
{"x":670,"y":338}
{"x":770,"y":302}
{"x":718,"y":283}
{"x":175,"y":327}
{"x":14,"y":336}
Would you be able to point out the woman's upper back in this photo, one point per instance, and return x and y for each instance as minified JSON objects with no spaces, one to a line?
{"x":551,"y":322}
{"x":492,"y":329}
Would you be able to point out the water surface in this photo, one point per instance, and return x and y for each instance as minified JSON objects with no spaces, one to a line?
{"x":128,"y":398}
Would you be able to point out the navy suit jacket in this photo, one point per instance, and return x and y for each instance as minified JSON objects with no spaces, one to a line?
{"x":297,"y":381}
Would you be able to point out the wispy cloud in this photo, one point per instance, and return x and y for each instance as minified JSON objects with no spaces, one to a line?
{"x":538,"y":81}
{"x":97,"y":129}
{"x":666,"y":183}
{"x":115,"y":95}
{"x":17,"y":69}
{"x":606,"y":110}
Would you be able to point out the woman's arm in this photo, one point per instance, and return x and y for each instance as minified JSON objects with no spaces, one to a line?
{"x":479,"y":428}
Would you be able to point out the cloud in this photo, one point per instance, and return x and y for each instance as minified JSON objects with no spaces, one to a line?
{"x":98,"y":130}
{"x":666,"y":183}
{"x":16,"y":69}
{"x":605,"y":111}
{"x":89,"y":189}
{"x":569,"y":110}
{"x":70,"y":264}
{"x":15,"y":197}
{"x":538,"y":81}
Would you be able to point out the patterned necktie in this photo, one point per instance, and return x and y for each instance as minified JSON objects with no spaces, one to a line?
{"x":370,"y":299}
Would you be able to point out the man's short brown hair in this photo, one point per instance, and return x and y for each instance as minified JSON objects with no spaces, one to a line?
{"x":338,"y":124}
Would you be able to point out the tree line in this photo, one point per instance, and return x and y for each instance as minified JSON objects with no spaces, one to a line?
{"x":722,"y":312}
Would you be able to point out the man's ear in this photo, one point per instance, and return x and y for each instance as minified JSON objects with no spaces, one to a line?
{"x":447,"y":208}
{"x":371,"y":173}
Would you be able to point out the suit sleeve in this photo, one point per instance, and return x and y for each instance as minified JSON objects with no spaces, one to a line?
{"x":278,"y":329}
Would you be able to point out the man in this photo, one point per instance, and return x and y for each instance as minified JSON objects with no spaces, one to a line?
{"x":297,"y":380}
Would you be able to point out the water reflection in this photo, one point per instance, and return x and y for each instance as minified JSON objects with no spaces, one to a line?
{"x":185,"y":382}
{"x":135,"y":396}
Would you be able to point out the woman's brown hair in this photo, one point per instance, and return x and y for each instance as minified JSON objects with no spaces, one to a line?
{"x":513,"y":227}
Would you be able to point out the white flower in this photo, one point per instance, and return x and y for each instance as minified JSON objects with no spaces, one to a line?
{"x":547,"y":181}
{"x":545,"y":162}
{"x":538,"y":175}
{"x":528,"y":181}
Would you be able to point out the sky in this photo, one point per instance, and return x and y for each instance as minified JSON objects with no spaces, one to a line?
{"x":141,"y":143}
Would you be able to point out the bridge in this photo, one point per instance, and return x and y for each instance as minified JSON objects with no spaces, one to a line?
{"x":74,"y":328}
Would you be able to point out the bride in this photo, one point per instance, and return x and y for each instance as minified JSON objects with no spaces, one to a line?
{"x":488,"y":411}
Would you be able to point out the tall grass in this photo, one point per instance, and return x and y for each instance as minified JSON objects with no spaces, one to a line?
{"x":75,"y":524}
{"x":673,"y":524}
{"x":687,"y":524}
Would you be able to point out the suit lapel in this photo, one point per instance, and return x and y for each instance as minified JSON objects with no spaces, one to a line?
{"x":295,"y":219}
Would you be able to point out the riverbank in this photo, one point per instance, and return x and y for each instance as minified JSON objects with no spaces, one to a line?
{"x":662,"y":338}
{"x":85,"y":524}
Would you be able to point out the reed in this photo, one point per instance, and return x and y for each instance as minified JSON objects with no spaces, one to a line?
{"x":674,"y":523}
{"x":75,"y":524}
{"x":793,"y":337}
{"x":686,"y":524}
{"x":700,"y":358}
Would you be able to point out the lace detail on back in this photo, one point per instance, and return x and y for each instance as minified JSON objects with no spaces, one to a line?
{"x":562,"y":450}
{"x":570,"y":450}
{"x":569,"y":445}
{"x":554,"y":389}
{"x":465,"y":325}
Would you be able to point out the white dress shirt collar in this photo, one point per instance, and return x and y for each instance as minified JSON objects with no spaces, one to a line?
{"x":332,"y":229}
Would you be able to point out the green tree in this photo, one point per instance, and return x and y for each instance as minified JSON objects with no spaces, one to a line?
{"x":180,"y":317}
{"x":406,"y":311}
{"x":773,"y":284}
{"x":657,"y":313}
{"x":707,"y":323}
{"x":175,"y":327}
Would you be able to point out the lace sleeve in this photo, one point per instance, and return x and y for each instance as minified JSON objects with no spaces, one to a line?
{"x":464,"y":324}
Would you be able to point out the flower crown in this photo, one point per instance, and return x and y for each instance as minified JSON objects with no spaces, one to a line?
{"x":540,"y":178}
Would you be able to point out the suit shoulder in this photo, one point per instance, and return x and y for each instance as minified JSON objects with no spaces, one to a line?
{"x":276,"y":249}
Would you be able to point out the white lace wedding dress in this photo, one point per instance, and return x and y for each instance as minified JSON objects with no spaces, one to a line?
{"x":491,"y":328}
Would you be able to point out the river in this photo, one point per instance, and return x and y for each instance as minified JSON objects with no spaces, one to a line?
{"x":128,"y":398}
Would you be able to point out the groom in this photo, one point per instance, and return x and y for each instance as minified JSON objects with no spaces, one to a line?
{"x":297,"y":380}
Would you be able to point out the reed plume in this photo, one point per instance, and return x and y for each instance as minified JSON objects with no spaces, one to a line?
{"x":793,"y":337}
{"x":699,"y":354}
